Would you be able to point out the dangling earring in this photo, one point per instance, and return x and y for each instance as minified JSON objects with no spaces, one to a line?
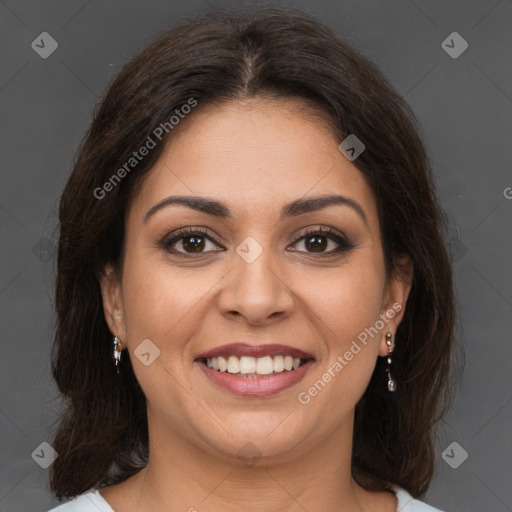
{"x":391,"y":346}
{"x":118,"y":346}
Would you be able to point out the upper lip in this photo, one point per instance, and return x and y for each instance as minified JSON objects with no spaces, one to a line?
{"x":244,"y":349}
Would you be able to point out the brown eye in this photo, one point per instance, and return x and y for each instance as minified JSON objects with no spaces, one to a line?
{"x":193,"y":243}
{"x":189,"y":242}
{"x":323,"y":242}
{"x":316,"y":243}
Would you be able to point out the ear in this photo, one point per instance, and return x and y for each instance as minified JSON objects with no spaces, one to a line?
{"x":395,"y":298}
{"x":111,"y":293}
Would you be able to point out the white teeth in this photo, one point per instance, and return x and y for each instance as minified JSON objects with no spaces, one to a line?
{"x":278,"y":363}
{"x":247,"y":364}
{"x":223,"y":364}
{"x":264,"y":365}
{"x":233,"y":364}
{"x":251,"y":366}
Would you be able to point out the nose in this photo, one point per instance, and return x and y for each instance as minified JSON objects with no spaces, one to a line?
{"x":256,"y":291}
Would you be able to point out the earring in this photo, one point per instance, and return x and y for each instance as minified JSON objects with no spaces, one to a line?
{"x":118,"y":347}
{"x":391,"y":346}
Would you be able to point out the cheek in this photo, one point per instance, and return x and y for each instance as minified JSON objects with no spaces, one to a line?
{"x":347,"y":304}
{"x":160,"y":300}
{"x":162,"y":304}
{"x":347,"y":299}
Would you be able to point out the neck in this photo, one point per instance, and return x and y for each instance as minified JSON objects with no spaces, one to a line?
{"x":180,"y":475}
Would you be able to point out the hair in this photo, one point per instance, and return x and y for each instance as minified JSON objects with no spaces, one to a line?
{"x":236,"y":55}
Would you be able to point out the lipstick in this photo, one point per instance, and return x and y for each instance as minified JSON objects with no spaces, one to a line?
{"x":255,"y":370}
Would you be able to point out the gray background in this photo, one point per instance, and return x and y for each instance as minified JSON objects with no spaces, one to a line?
{"x":465,"y":108}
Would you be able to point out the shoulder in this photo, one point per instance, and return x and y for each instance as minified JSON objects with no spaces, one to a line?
{"x":90,"y":501}
{"x":406,"y":503}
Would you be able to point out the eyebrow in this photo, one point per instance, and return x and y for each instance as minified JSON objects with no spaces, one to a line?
{"x":293,"y":209}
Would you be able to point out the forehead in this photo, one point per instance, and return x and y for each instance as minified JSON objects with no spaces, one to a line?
{"x":254,"y":155}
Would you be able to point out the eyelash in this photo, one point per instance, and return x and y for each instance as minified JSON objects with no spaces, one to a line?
{"x":344,"y":244}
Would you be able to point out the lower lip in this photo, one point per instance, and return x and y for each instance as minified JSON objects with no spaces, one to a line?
{"x":259,"y":386}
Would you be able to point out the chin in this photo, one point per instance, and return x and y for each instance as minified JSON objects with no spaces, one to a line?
{"x":259,"y":439}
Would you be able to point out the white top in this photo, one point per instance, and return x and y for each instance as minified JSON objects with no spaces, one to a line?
{"x":92,"y":501}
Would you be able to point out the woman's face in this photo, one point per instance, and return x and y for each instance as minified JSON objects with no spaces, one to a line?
{"x":258,"y":273}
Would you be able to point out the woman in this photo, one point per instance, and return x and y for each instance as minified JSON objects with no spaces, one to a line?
{"x":255,"y":305}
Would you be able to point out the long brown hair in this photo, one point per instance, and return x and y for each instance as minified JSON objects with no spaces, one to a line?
{"x":230,"y":55}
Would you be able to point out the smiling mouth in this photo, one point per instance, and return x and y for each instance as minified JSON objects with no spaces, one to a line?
{"x":254,"y":367}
